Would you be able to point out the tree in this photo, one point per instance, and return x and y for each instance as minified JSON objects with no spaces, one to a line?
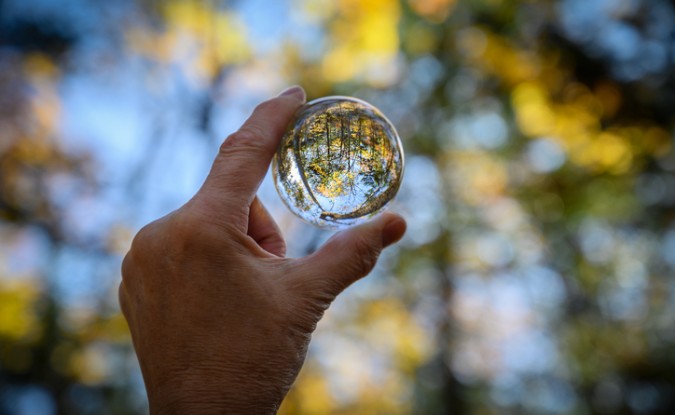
{"x":537,"y":274}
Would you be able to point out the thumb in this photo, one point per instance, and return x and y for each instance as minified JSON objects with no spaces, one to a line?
{"x":351,"y":254}
{"x":245,"y":155}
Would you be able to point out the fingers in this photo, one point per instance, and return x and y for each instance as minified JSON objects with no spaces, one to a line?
{"x":245,"y":155}
{"x":264,"y":230}
{"x":349,"y":255}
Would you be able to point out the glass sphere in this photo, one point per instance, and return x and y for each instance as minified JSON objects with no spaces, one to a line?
{"x":340,"y":162}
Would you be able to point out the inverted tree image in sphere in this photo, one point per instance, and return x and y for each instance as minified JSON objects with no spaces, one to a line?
{"x":339,"y":162}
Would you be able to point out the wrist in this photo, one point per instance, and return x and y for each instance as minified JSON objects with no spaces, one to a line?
{"x":181,"y":407}
{"x":206,"y":398}
{"x":205,"y":406}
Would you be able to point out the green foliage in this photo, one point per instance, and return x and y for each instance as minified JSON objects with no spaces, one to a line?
{"x":537,"y":274}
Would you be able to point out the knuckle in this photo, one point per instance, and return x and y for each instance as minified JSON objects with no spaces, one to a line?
{"x":188,"y":234}
{"x":179,"y":237}
{"x":143,"y":237}
{"x":236,"y":139}
{"x":154,"y":242}
{"x":247,"y":137}
{"x":265,"y":106}
{"x":139,"y":245}
{"x":127,"y":266}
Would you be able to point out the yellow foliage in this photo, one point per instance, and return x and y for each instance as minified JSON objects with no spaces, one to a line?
{"x":40,"y":65}
{"x":420,"y":40}
{"x":339,"y":64}
{"x":533,"y":112}
{"x":496,"y":56}
{"x":33,"y":150}
{"x":195,"y":16}
{"x":19,"y":320}
{"x":198,"y":36}
{"x":90,"y":365}
{"x":310,"y":395}
{"x":45,"y":106}
{"x":434,"y":10}
{"x":384,"y":327}
{"x":89,"y":326}
{"x":656,"y":141}
{"x":390,"y":322}
{"x":316,"y":10}
{"x":111,"y":329}
{"x":151,"y":45}
{"x":365,"y":42}
{"x":575,"y":124}
{"x":220,"y":34}
{"x":479,"y":177}
{"x":545,"y":105}
{"x":605,"y":152}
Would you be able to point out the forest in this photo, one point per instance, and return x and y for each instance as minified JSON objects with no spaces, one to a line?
{"x":537,"y":275}
{"x":344,"y":153}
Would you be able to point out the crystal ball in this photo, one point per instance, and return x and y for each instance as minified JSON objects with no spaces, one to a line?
{"x":340,"y":162}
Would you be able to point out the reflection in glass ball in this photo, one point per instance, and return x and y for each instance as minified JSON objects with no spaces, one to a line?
{"x":340,"y":162}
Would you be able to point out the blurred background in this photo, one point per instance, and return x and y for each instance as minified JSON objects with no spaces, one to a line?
{"x":538,"y":272}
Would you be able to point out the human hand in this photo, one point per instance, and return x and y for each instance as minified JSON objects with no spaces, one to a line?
{"x":219,"y":318}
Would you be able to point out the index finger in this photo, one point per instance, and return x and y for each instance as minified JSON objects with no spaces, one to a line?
{"x":246,"y":154}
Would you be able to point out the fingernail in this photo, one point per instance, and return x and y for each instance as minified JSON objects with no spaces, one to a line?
{"x":393,"y":231}
{"x":294,"y":91}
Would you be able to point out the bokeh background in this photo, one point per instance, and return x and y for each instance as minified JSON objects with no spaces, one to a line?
{"x":537,"y":275}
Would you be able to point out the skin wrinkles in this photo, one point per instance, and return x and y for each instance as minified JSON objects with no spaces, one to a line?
{"x":220,"y":320}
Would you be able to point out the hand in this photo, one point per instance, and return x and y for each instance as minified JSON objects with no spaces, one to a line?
{"x":219,"y":318}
